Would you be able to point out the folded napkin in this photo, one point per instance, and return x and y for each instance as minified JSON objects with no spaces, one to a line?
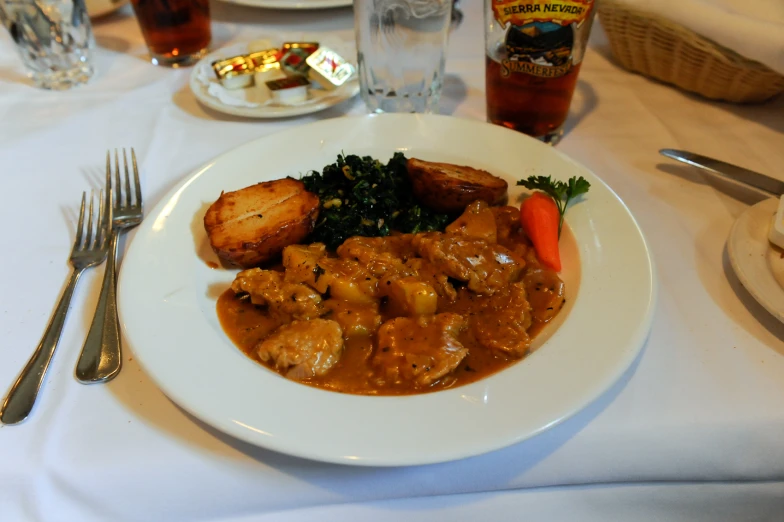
{"x":751,"y":28}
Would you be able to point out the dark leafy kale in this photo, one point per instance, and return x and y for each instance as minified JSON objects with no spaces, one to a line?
{"x":360,"y":196}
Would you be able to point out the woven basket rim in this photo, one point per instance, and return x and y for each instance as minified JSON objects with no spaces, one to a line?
{"x":707,"y":45}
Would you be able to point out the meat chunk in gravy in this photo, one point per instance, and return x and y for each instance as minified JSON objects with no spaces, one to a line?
{"x":502,"y":322}
{"x":268,"y":288}
{"x":303,"y":349}
{"x":485,"y":267}
{"x":511,"y":235}
{"x":546,"y":293}
{"x":380,"y":255}
{"x":419,"y":350}
{"x":478,"y":221}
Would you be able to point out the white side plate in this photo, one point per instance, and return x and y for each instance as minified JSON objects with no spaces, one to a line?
{"x":240,"y":102}
{"x":758,"y":265}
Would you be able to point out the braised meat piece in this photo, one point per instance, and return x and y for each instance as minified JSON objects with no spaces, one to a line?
{"x":380,"y":255}
{"x":478,"y":220}
{"x":419,"y":350}
{"x":303,"y":349}
{"x":269,"y":288}
{"x":545,"y":292}
{"x":503,"y":321}
{"x":486,"y":267}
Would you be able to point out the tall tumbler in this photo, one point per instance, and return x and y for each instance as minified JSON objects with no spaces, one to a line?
{"x":401,"y":50}
{"x":54,"y":39}
{"x":534,"y":50}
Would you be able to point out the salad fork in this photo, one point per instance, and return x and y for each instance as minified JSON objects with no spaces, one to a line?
{"x":89,"y":249}
{"x":101,"y":357}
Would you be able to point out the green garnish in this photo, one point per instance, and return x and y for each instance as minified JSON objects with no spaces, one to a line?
{"x":561,"y":192}
{"x":360,"y":196}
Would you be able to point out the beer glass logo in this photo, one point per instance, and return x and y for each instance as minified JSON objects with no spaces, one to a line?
{"x":540,"y":34}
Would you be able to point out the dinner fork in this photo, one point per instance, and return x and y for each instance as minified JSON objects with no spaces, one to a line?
{"x":89,"y":249}
{"x":101,"y":357}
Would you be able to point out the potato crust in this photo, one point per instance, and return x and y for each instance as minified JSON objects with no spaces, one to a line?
{"x":449,"y":188}
{"x":252,"y":225}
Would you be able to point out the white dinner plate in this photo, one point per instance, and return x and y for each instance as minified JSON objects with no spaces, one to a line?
{"x":167,"y":297}
{"x":242,"y":102}
{"x":293,"y":4}
{"x":758,"y":264}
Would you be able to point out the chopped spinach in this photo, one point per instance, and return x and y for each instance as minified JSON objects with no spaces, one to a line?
{"x":360,"y":196}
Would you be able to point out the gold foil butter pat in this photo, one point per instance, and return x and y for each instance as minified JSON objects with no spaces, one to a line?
{"x":235,"y":72}
{"x":308,"y":47}
{"x":264,"y":59}
{"x":329,"y":69}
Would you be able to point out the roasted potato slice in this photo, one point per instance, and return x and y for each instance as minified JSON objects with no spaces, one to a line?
{"x":252,"y":225}
{"x":450,"y":188}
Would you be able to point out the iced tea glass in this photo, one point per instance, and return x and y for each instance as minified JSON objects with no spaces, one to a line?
{"x":177,"y":32}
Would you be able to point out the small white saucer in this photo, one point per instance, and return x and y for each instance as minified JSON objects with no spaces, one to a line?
{"x":758,"y":264}
{"x":245,"y":102}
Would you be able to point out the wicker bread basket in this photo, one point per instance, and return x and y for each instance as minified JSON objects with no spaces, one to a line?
{"x":657,"y":47}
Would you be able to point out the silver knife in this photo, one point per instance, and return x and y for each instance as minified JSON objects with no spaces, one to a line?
{"x":733,"y":172}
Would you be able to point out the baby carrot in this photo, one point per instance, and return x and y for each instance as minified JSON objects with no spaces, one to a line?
{"x":541,"y":218}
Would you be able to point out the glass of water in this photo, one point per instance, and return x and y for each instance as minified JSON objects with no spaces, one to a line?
{"x":54,"y":39}
{"x":401,"y":50}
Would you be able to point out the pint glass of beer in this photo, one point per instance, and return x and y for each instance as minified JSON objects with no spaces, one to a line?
{"x":534,"y":49}
{"x":177,"y":32}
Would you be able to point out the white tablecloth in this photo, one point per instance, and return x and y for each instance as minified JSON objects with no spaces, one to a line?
{"x":694,"y":431}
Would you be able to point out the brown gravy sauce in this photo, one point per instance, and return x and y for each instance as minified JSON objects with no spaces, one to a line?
{"x":247,"y":324}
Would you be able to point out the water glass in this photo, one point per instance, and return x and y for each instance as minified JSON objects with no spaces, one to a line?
{"x":401,"y":50}
{"x":54,"y":39}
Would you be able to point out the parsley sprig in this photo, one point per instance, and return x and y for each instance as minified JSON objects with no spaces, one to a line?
{"x":561,"y":192}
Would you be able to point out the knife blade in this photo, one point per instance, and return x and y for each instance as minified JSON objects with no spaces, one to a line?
{"x":727,"y":170}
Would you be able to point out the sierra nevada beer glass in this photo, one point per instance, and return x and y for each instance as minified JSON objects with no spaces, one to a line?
{"x":534,"y":50}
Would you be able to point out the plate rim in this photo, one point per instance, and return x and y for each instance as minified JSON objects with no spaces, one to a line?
{"x":738,"y":266}
{"x":636,"y":343}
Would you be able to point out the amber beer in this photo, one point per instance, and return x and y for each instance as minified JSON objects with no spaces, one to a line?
{"x":177,"y":32}
{"x":534,"y":51}
{"x":530,"y":104}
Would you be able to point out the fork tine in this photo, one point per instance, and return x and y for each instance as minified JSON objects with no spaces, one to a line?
{"x":89,"y":238}
{"x":80,"y":225}
{"x":108,"y":170}
{"x":107,"y":229}
{"x":127,"y":180}
{"x":99,"y":224}
{"x":136,"y":178}
{"x":117,"y":185}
